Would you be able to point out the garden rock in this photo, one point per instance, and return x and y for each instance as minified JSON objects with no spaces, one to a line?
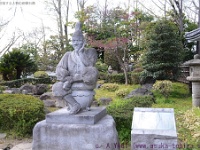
{"x":105,"y":100}
{"x":39,"y":89}
{"x":47,"y":95}
{"x":27,"y":87}
{"x":49,"y":103}
{"x":8,"y":92}
{"x":95,"y":104}
{"x":12,"y":91}
{"x":24,"y":92}
{"x":144,"y":90}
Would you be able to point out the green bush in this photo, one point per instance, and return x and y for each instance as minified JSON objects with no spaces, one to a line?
{"x":122,"y":112}
{"x":122,"y":92}
{"x":103,"y":76}
{"x":102,"y":67}
{"x":40,"y":74}
{"x":110,"y":87}
{"x":115,"y":78}
{"x":135,"y":77}
{"x":179,"y":90}
{"x":164,"y":87}
{"x":19,"y":113}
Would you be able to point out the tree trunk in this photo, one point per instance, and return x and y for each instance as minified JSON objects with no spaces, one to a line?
{"x":66,"y":24}
{"x":19,"y":72}
{"x":60,"y":25}
{"x":122,"y":65}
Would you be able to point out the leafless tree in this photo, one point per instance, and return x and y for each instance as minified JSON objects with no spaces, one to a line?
{"x":177,"y":6}
{"x":11,"y":42}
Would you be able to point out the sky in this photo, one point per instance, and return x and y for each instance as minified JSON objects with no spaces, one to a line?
{"x":26,"y":15}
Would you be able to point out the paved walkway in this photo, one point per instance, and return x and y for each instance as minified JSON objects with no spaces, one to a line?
{"x":23,"y":146}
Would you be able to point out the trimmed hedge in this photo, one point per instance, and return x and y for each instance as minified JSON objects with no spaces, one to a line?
{"x":122,"y":112}
{"x":19,"y":113}
{"x":18,"y":83}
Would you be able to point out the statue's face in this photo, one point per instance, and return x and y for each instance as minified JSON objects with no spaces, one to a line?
{"x":77,"y":43}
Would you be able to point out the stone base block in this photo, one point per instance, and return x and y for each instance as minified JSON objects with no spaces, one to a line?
{"x":84,"y":117}
{"x":101,"y":136}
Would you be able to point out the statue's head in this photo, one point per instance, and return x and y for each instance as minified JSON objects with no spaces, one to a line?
{"x":77,"y":37}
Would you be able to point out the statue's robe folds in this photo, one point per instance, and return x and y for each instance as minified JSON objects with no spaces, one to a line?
{"x":74,"y":65}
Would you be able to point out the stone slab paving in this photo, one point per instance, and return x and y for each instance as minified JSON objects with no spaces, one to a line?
{"x":23,"y":146}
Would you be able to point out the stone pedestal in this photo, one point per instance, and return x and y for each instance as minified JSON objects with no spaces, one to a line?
{"x":84,"y":131}
{"x":153,"y":128}
{"x":194,"y":77}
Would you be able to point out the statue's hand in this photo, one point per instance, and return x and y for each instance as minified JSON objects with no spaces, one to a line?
{"x":81,"y":50}
{"x":67,"y":85}
{"x":77,"y":77}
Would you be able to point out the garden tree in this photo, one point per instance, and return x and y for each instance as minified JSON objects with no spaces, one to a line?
{"x":37,"y":37}
{"x":118,"y":46}
{"x":164,"y":51}
{"x":32,"y":50}
{"x":138,"y":20}
{"x":129,"y":25}
{"x":108,"y":33}
{"x":60,"y":9}
{"x":15,"y":64}
{"x":177,"y":6}
{"x":66,"y":24}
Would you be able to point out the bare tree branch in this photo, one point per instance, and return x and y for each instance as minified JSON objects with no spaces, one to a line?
{"x":13,"y":40}
{"x":149,"y":10}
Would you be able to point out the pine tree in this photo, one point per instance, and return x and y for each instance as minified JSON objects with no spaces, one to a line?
{"x":164,"y":51}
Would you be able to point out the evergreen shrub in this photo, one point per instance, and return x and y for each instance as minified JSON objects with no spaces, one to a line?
{"x":19,"y":113}
{"x":101,"y":67}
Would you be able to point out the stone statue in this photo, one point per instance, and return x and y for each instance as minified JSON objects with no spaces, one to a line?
{"x":77,"y":75}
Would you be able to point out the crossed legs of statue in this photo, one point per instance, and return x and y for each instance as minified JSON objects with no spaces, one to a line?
{"x":75,"y":107}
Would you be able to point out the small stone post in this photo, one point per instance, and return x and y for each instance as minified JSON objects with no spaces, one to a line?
{"x":194,"y":77}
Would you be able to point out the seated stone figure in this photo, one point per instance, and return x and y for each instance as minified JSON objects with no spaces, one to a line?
{"x":77,"y":75}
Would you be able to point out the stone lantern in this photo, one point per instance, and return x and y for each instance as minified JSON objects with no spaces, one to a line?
{"x":194,"y":77}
